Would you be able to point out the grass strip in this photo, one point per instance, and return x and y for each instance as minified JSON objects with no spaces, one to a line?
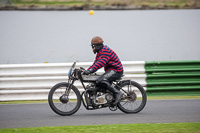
{"x":55,"y":2}
{"x":117,"y":128}
{"x":171,"y":97}
{"x":23,"y":102}
{"x":152,"y":3}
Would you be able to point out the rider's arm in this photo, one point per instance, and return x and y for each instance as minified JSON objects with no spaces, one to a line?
{"x":92,"y":65}
{"x":103,"y":59}
{"x":90,"y":69}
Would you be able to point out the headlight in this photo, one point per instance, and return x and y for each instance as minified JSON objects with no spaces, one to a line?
{"x":69,"y":72}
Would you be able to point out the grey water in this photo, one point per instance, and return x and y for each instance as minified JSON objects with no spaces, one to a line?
{"x":65,"y":36}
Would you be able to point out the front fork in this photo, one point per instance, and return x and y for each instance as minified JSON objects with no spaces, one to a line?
{"x":68,"y":89}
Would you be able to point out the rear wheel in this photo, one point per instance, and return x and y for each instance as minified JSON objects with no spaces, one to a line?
{"x":64,"y":103}
{"x":134,"y":97}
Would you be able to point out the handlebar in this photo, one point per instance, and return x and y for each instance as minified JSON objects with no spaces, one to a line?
{"x":82,"y":68}
{"x":74,"y":65}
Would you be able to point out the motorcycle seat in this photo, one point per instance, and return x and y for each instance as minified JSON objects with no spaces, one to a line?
{"x":117,"y":80}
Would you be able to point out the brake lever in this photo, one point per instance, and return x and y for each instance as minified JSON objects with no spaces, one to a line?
{"x":82,"y":68}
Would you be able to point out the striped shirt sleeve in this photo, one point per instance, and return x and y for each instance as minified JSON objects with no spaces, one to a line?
{"x":101,"y":60}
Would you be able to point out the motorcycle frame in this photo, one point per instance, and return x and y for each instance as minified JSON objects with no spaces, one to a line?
{"x":77,"y":75}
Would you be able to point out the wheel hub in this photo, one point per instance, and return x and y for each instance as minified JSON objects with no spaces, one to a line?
{"x":132,"y":96}
{"x":64,"y":98}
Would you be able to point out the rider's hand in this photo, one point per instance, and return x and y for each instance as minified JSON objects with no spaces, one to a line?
{"x":86,"y":72}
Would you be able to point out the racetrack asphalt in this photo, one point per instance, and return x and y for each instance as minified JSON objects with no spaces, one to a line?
{"x":155,"y":111}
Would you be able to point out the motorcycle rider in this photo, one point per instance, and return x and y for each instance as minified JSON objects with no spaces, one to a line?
{"x":107,"y":58}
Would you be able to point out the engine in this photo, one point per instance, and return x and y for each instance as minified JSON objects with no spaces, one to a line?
{"x":91,"y":86}
{"x":97,"y":97}
{"x":103,"y":99}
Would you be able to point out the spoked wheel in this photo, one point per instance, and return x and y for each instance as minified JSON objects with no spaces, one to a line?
{"x":62,"y":101}
{"x":134,"y":97}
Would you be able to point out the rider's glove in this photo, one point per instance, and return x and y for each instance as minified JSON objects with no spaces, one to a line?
{"x":86,"y":72}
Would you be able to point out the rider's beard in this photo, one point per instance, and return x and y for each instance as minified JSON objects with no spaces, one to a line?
{"x":94,"y":50}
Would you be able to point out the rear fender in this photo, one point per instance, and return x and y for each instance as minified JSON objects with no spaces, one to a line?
{"x":118,"y":85}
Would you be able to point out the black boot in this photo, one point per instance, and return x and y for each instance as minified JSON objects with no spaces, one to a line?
{"x":117,"y":93}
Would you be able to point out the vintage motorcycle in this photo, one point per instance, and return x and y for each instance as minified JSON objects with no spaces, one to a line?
{"x":65,"y":99}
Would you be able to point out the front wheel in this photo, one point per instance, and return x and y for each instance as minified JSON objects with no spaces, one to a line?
{"x":134,"y":97}
{"x":64,"y":100}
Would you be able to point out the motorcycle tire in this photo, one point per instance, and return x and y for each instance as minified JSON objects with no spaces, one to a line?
{"x":60,"y":103}
{"x":134,"y":100}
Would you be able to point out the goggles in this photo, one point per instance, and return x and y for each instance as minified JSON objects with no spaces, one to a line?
{"x":93,"y":45}
{"x":96,"y":44}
